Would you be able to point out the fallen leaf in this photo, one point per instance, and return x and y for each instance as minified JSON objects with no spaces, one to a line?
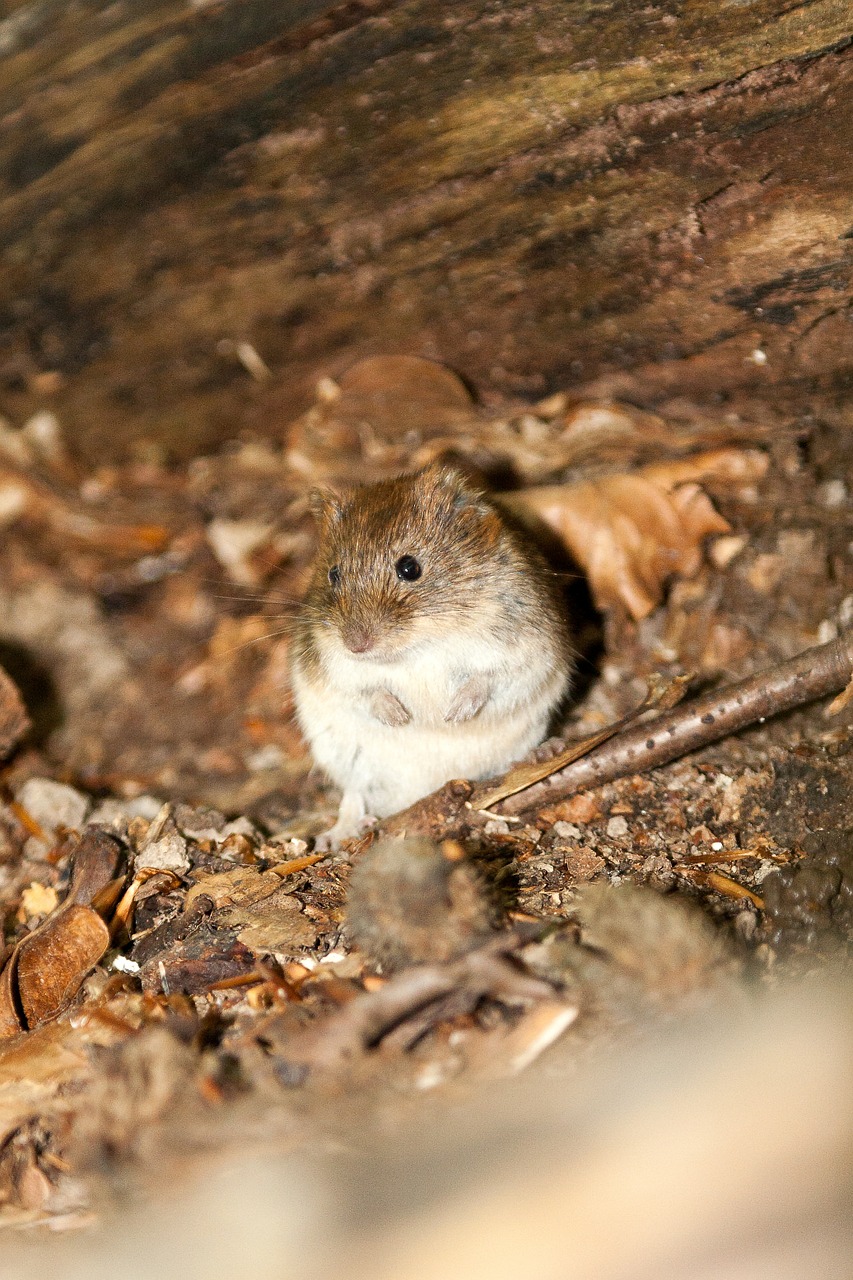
{"x":11,"y":1022}
{"x":632,"y":533}
{"x":365,"y":424}
{"x":276,"y":924}
{"x":841,"y":703}
{"x":96,"y":861}
{"x":243,"y":885}
{"x":193,"y":965}
{"x":53,"y":961}
{"x":14,"y":721}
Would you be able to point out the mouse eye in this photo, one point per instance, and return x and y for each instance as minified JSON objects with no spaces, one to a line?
{"x":408,"y":569}
{"x":335,"y":576}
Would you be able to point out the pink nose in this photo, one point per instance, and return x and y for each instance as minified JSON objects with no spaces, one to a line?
{"x":359,"y":640}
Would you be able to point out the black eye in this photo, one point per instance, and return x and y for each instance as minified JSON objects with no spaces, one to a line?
{"x":335,"y":576}
{"x":408,"y":569}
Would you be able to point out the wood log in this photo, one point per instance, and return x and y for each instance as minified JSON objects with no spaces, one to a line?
{"x":538,"y":194}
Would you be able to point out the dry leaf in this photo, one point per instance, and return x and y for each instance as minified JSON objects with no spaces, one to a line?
{"x":10,"y":1019}
{"x":97,"y":861}
{"x":14,"y":721}
{"x":631,"y":533}
{"x":46,"y":969}
{"x":53,"y":961}
{"x":365,"y":426}
{"x":275,"y":925}
{"x":234,"y":888}
{"x":841,"y":703}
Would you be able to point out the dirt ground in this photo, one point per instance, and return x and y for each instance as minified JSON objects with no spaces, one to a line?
{"x":185,"y":977}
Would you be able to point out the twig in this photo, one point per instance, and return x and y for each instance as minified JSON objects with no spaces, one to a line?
{"x":486,"y":971}
{"x":816,"y":673}
{"x":660,"y":696}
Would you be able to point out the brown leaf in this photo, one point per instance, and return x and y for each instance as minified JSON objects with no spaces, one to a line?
{"x":96,"y":861}
{"x":193,"y":965}
{"x":234,"y":888}
{"x":631,"y":533}
{"x":381,"y":386}
{"x":364,"y":426}
{"x":10,"y":1018}
{"x":52,"y":961}
{"x":841,"y":703}
{"x":275,"y":924}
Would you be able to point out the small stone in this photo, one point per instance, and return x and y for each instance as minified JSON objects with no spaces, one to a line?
{"x":42,"y":432}
{"x":143,"y":806}
{"x":167,"y":854}
{"x":833,"y":494}
{"x":111,"y":814}
{"x":617,"y":827}
{"x":566,"y":830}
{"x":270,"y":756}
{"x":52,"y":804}
{"x":200,"y":824}
{"x":239,"y":827}
{"x":827,"y":631}
{"x":163,"y":847}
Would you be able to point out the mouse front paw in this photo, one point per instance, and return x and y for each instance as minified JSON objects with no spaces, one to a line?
{"x":468,"y":700}
{"x":387,"y":708}
{"x":353,"y":821}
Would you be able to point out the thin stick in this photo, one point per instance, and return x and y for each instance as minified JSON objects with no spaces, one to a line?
{"x":522,"y":776}
{"x":816,"y":673}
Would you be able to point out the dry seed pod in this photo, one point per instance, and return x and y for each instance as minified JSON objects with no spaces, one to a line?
{"x":410,"y":904}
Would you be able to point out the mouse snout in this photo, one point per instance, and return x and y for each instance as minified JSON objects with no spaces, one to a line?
{"x":358,"y":639}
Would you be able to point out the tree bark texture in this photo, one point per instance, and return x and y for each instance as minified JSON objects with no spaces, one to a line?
{"x":539,"y":194}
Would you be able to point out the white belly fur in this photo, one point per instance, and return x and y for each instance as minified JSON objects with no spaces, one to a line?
{"x":391,"y":767}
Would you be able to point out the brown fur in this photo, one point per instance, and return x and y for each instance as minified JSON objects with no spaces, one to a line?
{"x":472,"y":560}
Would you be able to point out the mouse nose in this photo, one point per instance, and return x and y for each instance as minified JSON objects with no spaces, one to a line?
{"x":359,"y":639}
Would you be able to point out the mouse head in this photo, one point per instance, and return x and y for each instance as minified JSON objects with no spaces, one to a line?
{"x":402,"y":561}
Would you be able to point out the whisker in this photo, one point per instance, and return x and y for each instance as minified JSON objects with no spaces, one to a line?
{"x":244,"y":644}
{"x":288,"y":600}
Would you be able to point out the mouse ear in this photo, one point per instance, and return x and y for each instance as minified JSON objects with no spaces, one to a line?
{"x":466,"y":493}
{"x":326,"y":506}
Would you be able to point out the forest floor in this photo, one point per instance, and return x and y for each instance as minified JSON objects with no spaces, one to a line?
{"x":186,"y":977}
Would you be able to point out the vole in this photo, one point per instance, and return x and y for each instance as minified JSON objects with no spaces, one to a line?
{"x":432,"y":642}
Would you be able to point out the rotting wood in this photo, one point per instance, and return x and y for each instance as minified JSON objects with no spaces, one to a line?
{"x":660,"y":195}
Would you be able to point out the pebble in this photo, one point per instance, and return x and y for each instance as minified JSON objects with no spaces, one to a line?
{"x":52,"y":804}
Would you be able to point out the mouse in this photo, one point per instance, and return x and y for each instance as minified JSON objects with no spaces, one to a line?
{"x":432,"y":642}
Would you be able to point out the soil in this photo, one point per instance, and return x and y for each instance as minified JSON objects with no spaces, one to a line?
{"x":239,"y":1001}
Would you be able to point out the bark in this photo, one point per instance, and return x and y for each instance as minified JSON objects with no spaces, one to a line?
{"x":538,"y":194}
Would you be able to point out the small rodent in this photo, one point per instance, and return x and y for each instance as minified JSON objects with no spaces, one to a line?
{"x":432,"y":643}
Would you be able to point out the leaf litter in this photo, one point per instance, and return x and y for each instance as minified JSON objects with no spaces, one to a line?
{"x":182,"y":974}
